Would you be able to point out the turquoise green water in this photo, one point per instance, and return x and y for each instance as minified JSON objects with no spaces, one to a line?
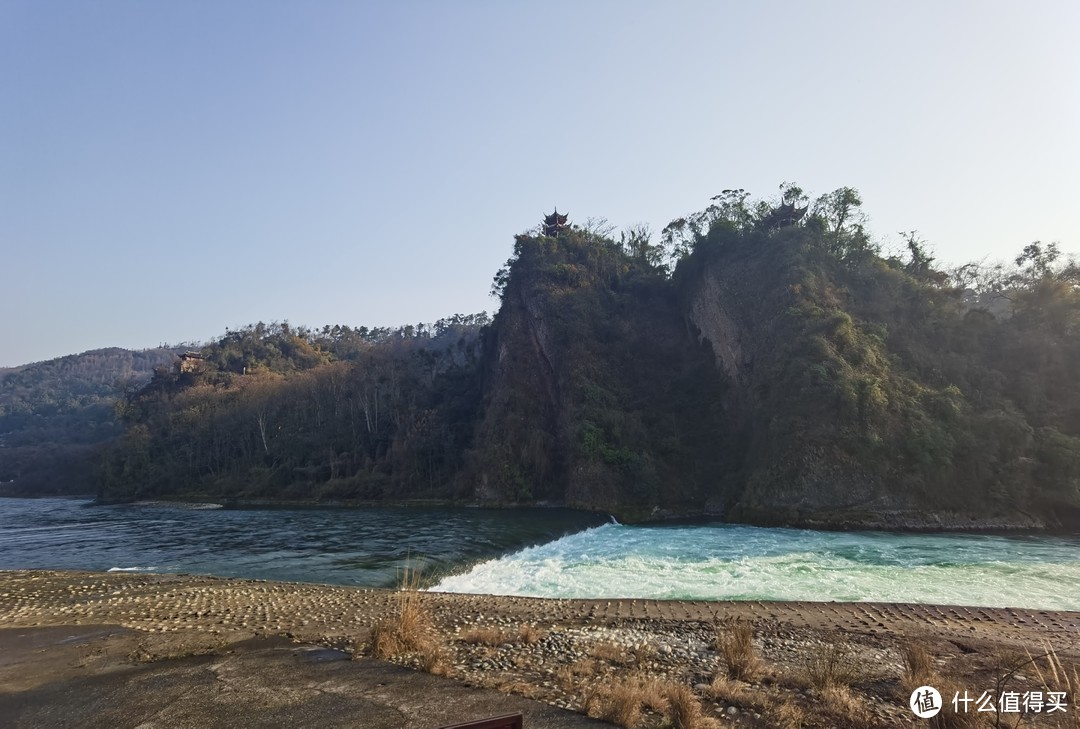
{"x":544,"y":552}
{"x":730,"y":562}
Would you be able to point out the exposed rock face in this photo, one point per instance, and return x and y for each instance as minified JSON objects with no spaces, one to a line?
{"x":793,"y":477}
{"x":518,"y":432}
{"x":709,"y":313}
{"x":785,"y":479}
{"x":742,"y":389}
{"x":597,"y":393}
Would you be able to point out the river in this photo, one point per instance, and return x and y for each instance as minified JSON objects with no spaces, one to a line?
{"x":544,"y":552}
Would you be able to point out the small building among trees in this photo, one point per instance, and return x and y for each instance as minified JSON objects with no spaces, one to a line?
{"x":190,"y":362}
{"x":555,"y":223}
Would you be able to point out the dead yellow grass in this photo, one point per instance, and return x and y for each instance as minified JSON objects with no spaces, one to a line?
{"x":512,"y":685}
{"x":492,"y":637}
{"x":735,"y":642}
{"x":833,"y":664}
{"x":619,"y":703}
{"x":1055,"y":676}
{"x":684,"y":709}
{"x":846,"y":708}
{"x":569,"y":676}
{"x":623,"y":701}
{"x":409,"y":628}
{"x":919,"y":668}
{"x":787,"y":714}
{"x":529,"y":634}
{"x":642,"y":656}
{"x":729,"y":691}
{"x":611,"y":652}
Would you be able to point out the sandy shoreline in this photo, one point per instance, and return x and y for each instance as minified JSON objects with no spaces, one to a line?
{"x":179,"y":613}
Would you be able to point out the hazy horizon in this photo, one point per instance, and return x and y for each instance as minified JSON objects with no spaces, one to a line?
{"x":168,"y":171}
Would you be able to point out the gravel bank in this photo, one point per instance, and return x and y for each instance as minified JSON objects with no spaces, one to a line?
{"x":564,"y":651}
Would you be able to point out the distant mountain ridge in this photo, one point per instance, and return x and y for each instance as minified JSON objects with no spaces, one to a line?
{"x":54,"y":414}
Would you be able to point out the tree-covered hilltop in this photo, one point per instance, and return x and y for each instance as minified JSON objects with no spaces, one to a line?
{"x":764,"y":361}
{"x":877,"y":390}
{"x":54,"y":414}
{"x":274,"y":412}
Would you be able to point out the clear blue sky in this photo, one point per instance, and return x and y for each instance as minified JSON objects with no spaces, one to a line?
{"x":170,"y":169}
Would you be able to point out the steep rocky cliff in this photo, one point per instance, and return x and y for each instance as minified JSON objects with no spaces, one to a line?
{"x":769,"y":380}
{"x":599,"y":394}
{"x":776,"y":330}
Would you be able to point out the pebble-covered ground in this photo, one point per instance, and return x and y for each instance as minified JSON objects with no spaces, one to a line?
{"x":566,"y":651}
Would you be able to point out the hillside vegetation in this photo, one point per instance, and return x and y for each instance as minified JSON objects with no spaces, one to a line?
{"x":275,"y":413}
{"x":761,"y":361}
{"x":54,"y":414}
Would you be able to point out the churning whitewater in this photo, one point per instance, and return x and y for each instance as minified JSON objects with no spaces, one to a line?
{"x":730,"y":562}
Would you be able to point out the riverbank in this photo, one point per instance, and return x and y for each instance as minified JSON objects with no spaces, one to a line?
{"x":572,"y":653}
{"x":913,"y":522}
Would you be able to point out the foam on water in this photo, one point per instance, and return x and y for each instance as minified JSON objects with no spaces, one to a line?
{"x":728,"y":562}
{"x":132,"y":569}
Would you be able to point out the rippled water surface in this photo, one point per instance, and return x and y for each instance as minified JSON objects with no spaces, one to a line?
{"x":545,"y":552}
{"x":339,"y":546}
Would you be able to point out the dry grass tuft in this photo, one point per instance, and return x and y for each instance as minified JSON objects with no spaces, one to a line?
{"x":410,"y":628}
{"x":919,"y":668}
{"x":725,"y":689}
{"x":492,"y":637}
{"x":736,"y":643}
{"x":794,"y":677}
{"x":642,"y":656}
{"x":623,"y":701}
{"x":684,"y":709}
{"x":611,"y":652}
{"x":529,"y":634}
{"x":787,"y":714}
{"x":1058,"y":677}
{"x":618,"y":703}
{"x":847,"y":709}
{"x":620,"y":706}
{"x":833,"y":665}
{"x":570,"y":675}
{"x":654,"y":694}
{"x":511,"y":685}
{"x":435,"y":658}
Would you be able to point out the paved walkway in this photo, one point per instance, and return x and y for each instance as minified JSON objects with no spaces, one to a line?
{"x":83,"y":677}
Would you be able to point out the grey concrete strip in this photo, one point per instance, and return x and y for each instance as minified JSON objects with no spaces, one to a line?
{"x":256,"y":683}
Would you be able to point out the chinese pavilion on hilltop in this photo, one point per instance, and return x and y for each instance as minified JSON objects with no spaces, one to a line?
{"x":190,"y":362}
{"x":555,"y":223}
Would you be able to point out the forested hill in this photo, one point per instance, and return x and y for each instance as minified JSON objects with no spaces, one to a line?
{"x":276,"y":412}
{"x":761,"y":361}
{"x":54,"y":413}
